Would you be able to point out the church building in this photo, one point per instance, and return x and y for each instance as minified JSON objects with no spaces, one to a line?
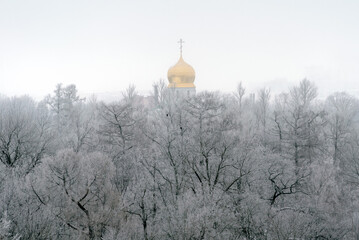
{"x":181,"y":77}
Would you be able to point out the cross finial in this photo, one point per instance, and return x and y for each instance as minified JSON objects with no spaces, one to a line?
{"x":181,"y":45}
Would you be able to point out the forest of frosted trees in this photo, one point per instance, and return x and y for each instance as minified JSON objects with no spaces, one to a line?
{"x":212,"y":166}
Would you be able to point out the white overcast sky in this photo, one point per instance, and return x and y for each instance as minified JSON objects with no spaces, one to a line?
{"x":103,"y":46}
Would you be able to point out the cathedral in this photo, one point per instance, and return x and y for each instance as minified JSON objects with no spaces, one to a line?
{"x":181,"y":77}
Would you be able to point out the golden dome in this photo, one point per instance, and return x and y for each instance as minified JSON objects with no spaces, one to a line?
{"x":181,"y":75}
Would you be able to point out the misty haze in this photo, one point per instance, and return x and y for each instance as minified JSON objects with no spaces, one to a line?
{"x":179,"y":120}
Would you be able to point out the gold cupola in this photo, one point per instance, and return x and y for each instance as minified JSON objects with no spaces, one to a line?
{"x":181,"y":75}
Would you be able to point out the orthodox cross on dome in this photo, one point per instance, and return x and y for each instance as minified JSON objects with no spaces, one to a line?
{"x":181,"y":45}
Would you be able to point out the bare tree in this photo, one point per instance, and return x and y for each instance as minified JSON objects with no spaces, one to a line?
{"x":262,"y":111}
{"x":239,"y":94}
{"x":298,"y":123}
{"x":159,"y":91}
{"x":130,"y":93}
{"x":24,"y":133}
{"x":342,"y":110}
{"x":78,"y":191}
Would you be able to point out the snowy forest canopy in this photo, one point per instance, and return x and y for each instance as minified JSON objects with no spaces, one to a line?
{"x":210,"y":166}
